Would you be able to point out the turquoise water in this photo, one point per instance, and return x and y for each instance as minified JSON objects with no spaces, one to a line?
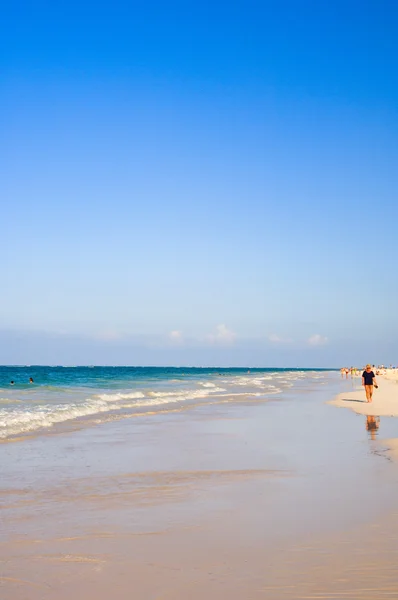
{"x":65,"y":396}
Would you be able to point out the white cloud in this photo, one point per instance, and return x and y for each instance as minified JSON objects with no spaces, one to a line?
{"x":277,"y":339}
{"x":223,"y":335}
{"x":176,"y":337}
{"x":317,"y":340}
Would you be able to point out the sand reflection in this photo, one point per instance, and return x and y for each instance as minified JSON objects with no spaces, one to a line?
{"x":372,"y":426}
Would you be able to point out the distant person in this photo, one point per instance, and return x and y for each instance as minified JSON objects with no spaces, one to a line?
{"x":369,"y":381}
{"x":12,"y":382}
{"x":31,"y":380}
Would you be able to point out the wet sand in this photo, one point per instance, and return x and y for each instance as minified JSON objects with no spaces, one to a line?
{"x":284,"y":500}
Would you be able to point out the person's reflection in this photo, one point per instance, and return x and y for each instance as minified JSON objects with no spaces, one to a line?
{"x":372,"y":425}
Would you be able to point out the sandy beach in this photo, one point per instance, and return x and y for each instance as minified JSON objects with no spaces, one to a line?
{"x":284,"y":499}
{"x":384,"y":402}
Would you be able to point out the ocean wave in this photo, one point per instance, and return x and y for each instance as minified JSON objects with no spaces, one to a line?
{"x":18,"y":421}
{"x":267,"y":392}
{"x":187,"y":393}
{"x":120,"y":396}
{"x":24,"y":421}
{"x":72,"y":403}
{"x":260,"y":382}
{"x":207,"y":384}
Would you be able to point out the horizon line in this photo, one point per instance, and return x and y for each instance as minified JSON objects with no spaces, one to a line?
{"x":93,"y":366}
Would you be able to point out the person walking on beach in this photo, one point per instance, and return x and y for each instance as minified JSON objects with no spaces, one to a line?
{"x":368,"y":381}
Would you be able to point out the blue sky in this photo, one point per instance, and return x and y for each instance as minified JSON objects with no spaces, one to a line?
{"x":209,"y":183}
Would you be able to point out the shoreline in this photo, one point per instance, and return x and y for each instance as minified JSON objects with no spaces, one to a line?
{"x":70,"y":399}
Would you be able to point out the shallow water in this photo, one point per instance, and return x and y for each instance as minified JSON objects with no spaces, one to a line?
{"x":70,"y":396}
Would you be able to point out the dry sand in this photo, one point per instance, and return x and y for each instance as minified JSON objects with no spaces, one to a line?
{"x":384,"y":403}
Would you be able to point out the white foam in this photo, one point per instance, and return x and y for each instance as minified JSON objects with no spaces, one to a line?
{"x":18,"y":421}
{"x":120,"y":396}
{"x":259,"y":382}
{"x":22,"y":421}
{"x":30,"y":416}
{"x":188,"y":394}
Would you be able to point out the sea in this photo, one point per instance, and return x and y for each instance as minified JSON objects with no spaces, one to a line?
{"x":74,"y":397}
